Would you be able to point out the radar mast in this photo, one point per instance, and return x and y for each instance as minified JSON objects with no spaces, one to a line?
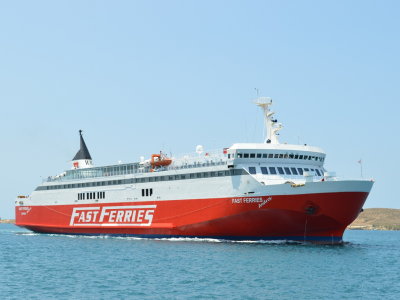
{"x":271,"y":125}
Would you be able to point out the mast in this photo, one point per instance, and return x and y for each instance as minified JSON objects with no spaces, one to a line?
{"x":271,"y":125}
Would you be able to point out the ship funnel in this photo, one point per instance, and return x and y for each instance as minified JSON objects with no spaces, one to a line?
{"x":82,"y":158}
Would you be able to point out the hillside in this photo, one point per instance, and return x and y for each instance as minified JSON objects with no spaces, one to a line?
{"x":377,"y":219}
{"x":7,"y":221}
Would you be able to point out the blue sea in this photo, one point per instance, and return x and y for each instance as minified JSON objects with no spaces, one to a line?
{"x":39,"y":266}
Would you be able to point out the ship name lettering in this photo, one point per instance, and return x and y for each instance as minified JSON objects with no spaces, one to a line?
{"x":252,"y":200}
{"x":247,"y":200}
{"x":141,"y":215}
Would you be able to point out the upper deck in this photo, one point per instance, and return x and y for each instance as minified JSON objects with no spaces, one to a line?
{"x":271,"y":153}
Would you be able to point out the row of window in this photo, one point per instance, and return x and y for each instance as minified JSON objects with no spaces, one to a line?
{"x":276,"y":155}
{"x":231,"y":172}
{"x":284,"y":171}
{"x":91,"y":195}
{"x":147,"y":192}
{"x":123,"y":170}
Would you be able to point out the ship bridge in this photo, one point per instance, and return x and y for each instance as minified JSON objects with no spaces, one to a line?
{"x":277,"y":163}
{"x":272,"y":162}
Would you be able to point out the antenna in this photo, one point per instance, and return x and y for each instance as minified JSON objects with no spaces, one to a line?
{"x":256,"y":91}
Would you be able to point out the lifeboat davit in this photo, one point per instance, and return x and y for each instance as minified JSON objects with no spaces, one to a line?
{"x":160,"y":160}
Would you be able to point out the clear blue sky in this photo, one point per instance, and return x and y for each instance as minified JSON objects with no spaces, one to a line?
{"x":144,"y":76}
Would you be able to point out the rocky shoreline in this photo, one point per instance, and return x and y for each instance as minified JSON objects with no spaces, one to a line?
{"x":377,"y":219}
{"x":7,"y":221}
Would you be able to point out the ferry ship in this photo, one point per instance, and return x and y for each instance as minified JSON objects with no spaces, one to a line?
{"x":249,"y":191}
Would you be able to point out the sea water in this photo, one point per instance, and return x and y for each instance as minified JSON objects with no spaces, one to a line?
{"x":40,"y":266}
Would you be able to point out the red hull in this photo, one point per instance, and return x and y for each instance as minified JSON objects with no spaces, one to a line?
{"x":308,"y":217}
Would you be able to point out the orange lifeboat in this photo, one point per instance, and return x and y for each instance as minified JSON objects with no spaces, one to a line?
{"x":160,"y":160}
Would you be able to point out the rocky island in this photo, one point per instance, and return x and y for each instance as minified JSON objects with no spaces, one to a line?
{"x":377,"y":219}
{"x":7,"y":221}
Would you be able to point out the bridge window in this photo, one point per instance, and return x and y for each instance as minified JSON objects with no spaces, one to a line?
{"x":318,"y":173}
{"x":272,"y":170}
{"x":252,"y":170}
{"x":294,"y":171}
{"x":300,"y":171}
{"x":280,"y":170}
{"x":287,"y":171}
{"x":264,"y":170}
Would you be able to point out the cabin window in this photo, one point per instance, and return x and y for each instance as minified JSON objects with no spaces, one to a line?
{"x":229,"y":156}
{"x":272,"y":170}
{"x":276,"y":156}
{"x":264,"y":170}
{"x":258,"y":155}
{"x":252,"y":170}
{"x":280,"y":170}
{"x":296,"y":156}
{"x":280,"y":155}
{"x":246,"y":155}
{"x":300,"y":156}
{"x":239,"y":155}
{"x":291,"y":156}
{"x":270,"y":155}
{"x":265,"y":155}
{"x":287,"y":171}
{"x":252,"y":155}
{"x":294,"y":171}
